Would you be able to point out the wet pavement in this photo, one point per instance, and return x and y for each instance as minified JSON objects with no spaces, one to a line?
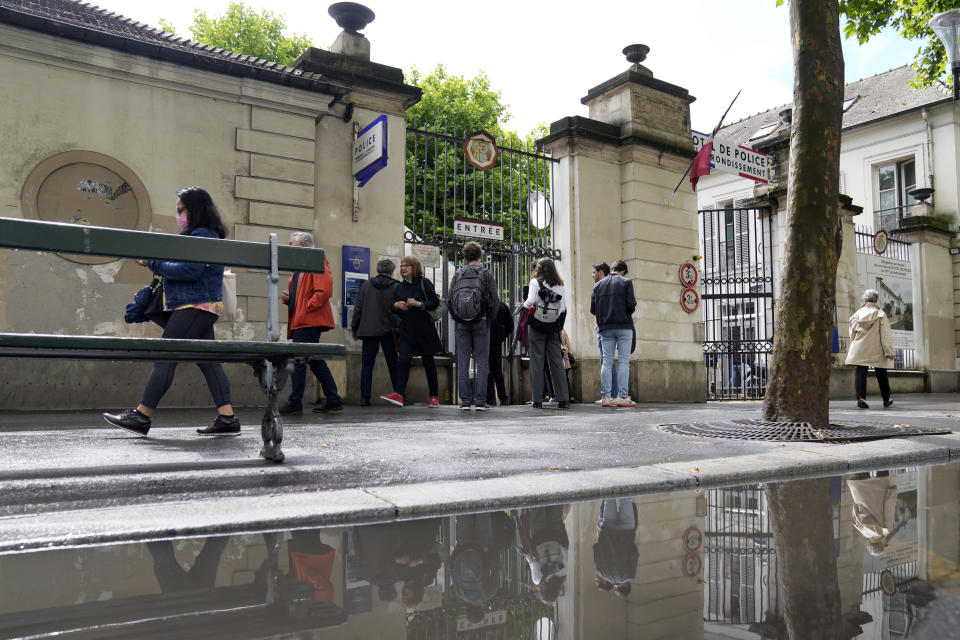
{"x":705,"y":563}
{"x":69,"y":479}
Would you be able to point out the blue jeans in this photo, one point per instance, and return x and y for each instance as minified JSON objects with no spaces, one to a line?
{"x":614,"y":387}
{"x":619,"y":340}
{"x":616,"y":514}
{"x":298,"y":379}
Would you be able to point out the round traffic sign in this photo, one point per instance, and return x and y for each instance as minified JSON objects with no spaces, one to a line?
{"x":689,"y":300}
{"x":692,"y":564}
{"x":692,"y":539}
{"x":688,"y":274}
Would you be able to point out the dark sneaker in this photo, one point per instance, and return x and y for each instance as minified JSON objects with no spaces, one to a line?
{"x":290,"y":408}
{"x":222,"y":426}
{"x":482,"y":407}
{"x":465,"y":407}
{"x":130,"y":420}
{"x":537,"y":405}
{"x":364,"y":402}
{"x":887,"y":404}
{"x":563,"y":405}
{"x":861,"y":404}
{"x":326,"y":408}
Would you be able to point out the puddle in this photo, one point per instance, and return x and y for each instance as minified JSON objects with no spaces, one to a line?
{"x":869,"y":555}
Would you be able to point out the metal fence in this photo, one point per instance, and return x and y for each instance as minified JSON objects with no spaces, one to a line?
{"x":517,"y":194}
{"x":737,"y":301}
{"x":740,"y":564}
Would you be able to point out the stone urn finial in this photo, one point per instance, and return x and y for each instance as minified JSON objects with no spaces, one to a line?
{"x":352,"y":17}
{"x":636,"y":53}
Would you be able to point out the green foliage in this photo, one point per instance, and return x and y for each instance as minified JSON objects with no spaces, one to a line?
{"x":242,"y":30}
{"x":910,"y":18}
{"x":438,"y":178}
{"x":167,"y":26}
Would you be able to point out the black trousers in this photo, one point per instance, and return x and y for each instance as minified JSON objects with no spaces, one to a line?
{"x":496,"y":385}
{"x":198,"y":325}
{"x":860,"y":382}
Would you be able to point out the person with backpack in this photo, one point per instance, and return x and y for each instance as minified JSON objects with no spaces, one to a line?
{"x":475,"y":566}
{"x":613,"y":303}
{"x":473,"y":303}
{"x":547,"y":310}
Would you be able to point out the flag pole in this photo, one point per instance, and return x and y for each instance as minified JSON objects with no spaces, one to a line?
{"x":715,"y":130}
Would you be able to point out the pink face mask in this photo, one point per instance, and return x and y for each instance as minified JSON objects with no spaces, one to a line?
{"x":182,"y":221}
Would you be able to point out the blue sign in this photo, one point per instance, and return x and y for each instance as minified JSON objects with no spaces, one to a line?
{"x":370,"y":150}
{"x":356,"y":270}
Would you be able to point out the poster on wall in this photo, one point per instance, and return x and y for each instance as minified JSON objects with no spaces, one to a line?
{"x":356,"y":269}
{"x":893,"y":280}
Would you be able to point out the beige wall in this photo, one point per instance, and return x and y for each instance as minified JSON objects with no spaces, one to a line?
{"x":273,"y":158}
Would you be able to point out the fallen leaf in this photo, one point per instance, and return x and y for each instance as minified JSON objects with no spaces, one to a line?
{"x":697,"y":469}
{"x":323,"y":446}
{"x":554,"y":468}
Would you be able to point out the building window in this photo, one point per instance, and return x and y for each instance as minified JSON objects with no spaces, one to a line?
{"x":895,"y":181}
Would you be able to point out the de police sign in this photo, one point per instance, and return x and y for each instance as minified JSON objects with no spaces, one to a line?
{"x":370,"y":150}
{"x":736,"y":159}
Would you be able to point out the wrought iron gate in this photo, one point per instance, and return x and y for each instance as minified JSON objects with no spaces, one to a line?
{"x":516,"y":193}
{"x":737,"y":301}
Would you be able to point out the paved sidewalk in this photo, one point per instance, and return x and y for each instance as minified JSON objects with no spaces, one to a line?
{"x":69,"y":478}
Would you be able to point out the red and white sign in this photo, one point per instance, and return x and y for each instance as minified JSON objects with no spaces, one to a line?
{"x":481,"y":150}
{"x":688,"y":275}
{"x":692,"y":539}
{"x":689,"y":300}
{"x":737,"y":159}
{"x":692,"y":564}
{"x":880,"y":242}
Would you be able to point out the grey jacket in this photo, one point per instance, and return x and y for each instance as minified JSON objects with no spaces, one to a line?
{"x":371,"y":315}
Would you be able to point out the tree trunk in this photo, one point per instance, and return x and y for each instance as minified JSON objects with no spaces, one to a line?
{"x":799,"y":386}
{"x":802,"y":521}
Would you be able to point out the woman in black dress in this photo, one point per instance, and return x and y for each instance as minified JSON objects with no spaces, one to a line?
{"x":413,"y":296}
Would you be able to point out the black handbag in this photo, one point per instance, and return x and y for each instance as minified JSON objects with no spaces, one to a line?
{"x":154,"y":311}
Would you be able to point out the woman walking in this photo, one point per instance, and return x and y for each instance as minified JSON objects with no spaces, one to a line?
{"x":545,"y":299}
{"x":193,"y":292}
{"x":413,"y":296}
{"x":871,"y":345}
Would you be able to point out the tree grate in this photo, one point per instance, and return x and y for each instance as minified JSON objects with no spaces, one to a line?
{"x":797,"y":431}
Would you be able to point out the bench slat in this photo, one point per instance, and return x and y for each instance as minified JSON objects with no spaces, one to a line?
{"x":60,"y":237}
{"x":33,"y":345}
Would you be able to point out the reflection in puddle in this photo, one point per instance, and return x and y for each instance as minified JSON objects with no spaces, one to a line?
{"x":869,"y":555}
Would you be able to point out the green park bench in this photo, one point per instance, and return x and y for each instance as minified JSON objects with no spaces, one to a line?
{"x":271,"y":360}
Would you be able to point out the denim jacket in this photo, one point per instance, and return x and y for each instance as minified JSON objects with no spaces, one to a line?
{"x":190,"y":282}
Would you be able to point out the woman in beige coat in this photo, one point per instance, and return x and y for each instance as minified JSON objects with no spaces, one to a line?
{"x":871,"y":345}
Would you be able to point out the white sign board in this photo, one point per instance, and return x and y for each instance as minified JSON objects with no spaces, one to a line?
{"x":369,"y":146}
{"x":736,"y":159}
{"x":475,"y":229}
{"x":893,"y":280}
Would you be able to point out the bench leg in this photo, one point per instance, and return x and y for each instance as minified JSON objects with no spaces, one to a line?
{"x":272,"y":377}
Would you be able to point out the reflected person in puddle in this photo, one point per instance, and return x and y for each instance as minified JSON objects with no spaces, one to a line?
{"x":475,"y":563}
{"x":544,"y":544}
{"x":405,"y":552}
{"x":615,"y":553}
{"x":170,"y":574}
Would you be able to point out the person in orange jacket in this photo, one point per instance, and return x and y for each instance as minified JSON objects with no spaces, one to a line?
{"x":308,"y":303}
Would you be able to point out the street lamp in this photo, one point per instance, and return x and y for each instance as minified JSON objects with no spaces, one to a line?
{"x":947,"y":27}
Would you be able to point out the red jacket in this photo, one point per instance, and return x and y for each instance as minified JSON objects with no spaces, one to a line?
{"x":313,"y":301}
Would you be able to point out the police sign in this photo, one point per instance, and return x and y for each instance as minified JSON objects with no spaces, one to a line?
{"x":370,"y":150}
{"x":736,"y":159}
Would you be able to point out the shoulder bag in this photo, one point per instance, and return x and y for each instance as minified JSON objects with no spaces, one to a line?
{"x":435,"y":314}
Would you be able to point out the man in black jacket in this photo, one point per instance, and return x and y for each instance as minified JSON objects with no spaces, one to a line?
{"x":500,"y":329}
{"x":613,"y":303}
{"x":373,"y":323}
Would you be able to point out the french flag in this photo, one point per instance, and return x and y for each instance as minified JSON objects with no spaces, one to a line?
{"x":701,"y":164}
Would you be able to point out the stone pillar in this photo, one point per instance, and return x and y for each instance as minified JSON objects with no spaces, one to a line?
{"x":614,"y":187}
{"x":933,"y":301}
{"x":847,"y":299}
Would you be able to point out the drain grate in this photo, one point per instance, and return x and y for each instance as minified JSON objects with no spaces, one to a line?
{"x":796,"y":431}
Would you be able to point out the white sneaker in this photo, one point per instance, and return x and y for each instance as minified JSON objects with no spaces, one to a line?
{"x":600,"y":401}
{"x":606,"y":401}
{"x":625,"y":401}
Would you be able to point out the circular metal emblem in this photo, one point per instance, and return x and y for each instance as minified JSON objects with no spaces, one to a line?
{"x":880,"y":242}
{"x":692,"y":564}
{"x":692,"y":539}
{"x":689,"y":300}
{"x":481,"y":150}
{"x":688,"y":275}
{"x":887,"y":582}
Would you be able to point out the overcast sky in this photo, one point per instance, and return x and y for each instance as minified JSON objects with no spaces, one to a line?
{"x":545,"y":56}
